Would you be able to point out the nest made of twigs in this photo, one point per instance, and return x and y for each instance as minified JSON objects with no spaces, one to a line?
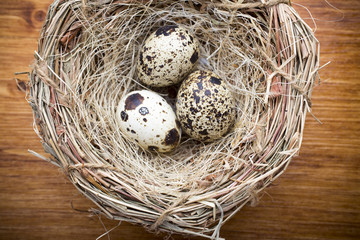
{"x":86,"y":62}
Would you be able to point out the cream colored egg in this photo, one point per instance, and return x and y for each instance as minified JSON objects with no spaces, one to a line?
{"x":167,"y":56}
{"x":147,"y":119}
{"x":204,"y":106}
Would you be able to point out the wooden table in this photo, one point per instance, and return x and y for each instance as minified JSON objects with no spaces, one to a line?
{"x":317,"y":198}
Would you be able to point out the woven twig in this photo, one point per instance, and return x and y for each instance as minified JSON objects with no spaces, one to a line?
{"x":86,"y":62}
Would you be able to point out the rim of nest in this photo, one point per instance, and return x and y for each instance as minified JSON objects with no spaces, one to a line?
{"x":86,"y":62}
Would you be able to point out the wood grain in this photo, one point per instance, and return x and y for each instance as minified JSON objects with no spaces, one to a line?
{"x":317,"y":198}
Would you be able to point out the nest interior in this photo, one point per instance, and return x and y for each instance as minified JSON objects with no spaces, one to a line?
{"x":85,"y":63}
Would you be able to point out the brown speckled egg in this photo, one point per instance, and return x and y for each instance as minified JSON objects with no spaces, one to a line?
{"x":167,"y":56}
{"x":204,"y":106}
{"x":146,"y":118}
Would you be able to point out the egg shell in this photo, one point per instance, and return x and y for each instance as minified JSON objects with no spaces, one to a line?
{"x":146,"y":118}
{"x":205,"y":106}
{"x":167,"y":56}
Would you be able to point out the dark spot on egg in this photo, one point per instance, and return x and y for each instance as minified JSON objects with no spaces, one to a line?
{"x":153,"y":148}
{"x":182,"y":36}
{"x":143,"y":111}
{"x":133,"y":101}
{"x":204,"y":132}
{"x":207,"y":92}
{"x":149,"y":71}
{"x":196,"y":97}
{"x":215,"y":80}
{"x":149,"y":58}
{"x":172,"y":137}
{"x":141,"y":59}
{"x":202,"y":75}
{"x":144,"y":119}
{"x":133,"y":132}
{"x":216,"y":91}
{"x":193,"y":110}
{"x":200,"y":86}
{"x":124,"y":116}
{"x":169,"y":60}
{"x":189,"y":123}
{"x":191,"y":38}
{"x":194,"y":57}
{"x":165,"y":30}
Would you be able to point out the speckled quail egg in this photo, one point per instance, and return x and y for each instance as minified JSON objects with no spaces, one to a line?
{"x":146,"y":118}
{"x":167,"y":56}
{"x":205,"y":106}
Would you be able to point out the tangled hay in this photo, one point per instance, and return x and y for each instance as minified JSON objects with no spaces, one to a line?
{"x":86,"y":61}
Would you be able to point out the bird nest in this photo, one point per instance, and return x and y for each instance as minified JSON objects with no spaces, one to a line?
{"x":86,"y":62}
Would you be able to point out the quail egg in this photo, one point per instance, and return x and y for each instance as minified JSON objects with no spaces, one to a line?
{"x":167,"y":56}
{"x":205,"y":106}
{"x":146,"y":118}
